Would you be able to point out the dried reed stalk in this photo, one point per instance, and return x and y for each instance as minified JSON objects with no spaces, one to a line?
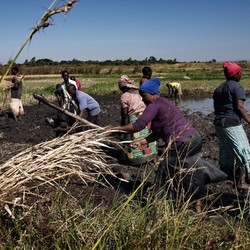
{"x":42,"y":23}
{"x":79,"y":154}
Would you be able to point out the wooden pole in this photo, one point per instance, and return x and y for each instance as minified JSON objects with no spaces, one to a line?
{"x":41,"y":98}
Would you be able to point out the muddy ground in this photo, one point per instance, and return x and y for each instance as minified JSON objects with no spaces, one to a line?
{"x":33,"y":129}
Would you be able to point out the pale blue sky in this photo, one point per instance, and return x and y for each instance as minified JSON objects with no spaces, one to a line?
{"x":111,"y":29}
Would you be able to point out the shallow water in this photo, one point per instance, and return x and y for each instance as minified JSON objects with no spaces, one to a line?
{"x":204,"y":105}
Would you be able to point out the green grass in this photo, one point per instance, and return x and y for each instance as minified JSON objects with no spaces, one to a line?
{"x":63,"y":222}
{"x":203,"y":78}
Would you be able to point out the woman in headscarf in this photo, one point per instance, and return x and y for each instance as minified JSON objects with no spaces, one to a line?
{"x":229,"y":110}
{"x":131,"y":101}
{"x":182,"y":139}
{"x":167,"y":122}
{"x":132,"y":106}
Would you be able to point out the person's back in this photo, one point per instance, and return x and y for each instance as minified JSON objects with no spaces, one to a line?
{"x":17,"y":81}
{"x":130,"y":101}
{"x":225,"y":97}
{"x":133,"y":102}
{"x":146,"y":74}
{"x":174,"y":126}
{"x":86,"y":101}
{"x":78,"y":83}
{"x":175,"y":85}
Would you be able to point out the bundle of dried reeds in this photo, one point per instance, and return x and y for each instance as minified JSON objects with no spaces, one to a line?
{"x":79,"y":154}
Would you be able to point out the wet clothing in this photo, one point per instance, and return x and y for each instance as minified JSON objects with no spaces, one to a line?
{"x":167,"y":121}
{"x":233,"y":142}
{"x":188,"y":179}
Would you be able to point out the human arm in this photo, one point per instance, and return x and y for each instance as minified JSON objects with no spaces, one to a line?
{"x":17,"y":80}
{"x":150,"y":138}
{"x":170,"y":90}
{"x":125,"y":128}
{"x":83,"y":113}
{"x":243,"y":111}
{"x":124,"y":116}
{"x":60,"y":100}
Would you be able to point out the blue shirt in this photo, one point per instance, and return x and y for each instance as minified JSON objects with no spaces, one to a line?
{"x":87,"y":102}
{"x":225,"y":97}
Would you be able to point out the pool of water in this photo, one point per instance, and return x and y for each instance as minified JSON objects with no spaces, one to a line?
{"x":204,"y":105}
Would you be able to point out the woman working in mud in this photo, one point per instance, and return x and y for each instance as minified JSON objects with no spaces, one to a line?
{"x":169,"y":124}
{"x":234,"y":148}
{"x":132,"y":106}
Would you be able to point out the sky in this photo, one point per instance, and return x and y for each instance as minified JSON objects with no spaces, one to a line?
{"x":194,"y":30}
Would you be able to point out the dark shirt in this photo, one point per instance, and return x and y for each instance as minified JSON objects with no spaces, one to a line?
{"x":166,"y":121}
{"x":225,"y":97}
{"x":16,"y":90}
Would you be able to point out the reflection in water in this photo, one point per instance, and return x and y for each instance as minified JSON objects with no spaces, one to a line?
{"x":204,"y":105}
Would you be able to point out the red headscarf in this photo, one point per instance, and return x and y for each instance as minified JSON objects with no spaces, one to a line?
{"x":231,"y":69}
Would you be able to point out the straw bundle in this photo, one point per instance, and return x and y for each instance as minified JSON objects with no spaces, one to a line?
{"x":77,"y":154}
{"x":6,"y":84}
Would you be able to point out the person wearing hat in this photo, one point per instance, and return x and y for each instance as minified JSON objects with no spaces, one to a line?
{"x":182,"y":140}
{"x":167,"y":122}
{"x":132,"y":106}
{"x":234,"y":149}
{"x":131,"y":101}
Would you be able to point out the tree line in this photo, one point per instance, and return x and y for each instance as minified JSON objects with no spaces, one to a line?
{"x":127,"y":62}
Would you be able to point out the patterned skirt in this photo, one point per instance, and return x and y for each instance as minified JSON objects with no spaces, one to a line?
{"x":142,"y":154}
{"x":234,"y":148}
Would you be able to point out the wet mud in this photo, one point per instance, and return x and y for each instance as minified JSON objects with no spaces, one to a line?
{"x":32,"y":129}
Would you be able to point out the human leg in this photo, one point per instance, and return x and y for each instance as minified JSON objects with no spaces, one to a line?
{"x":15,"y":107}
{"x":21,"y":110}
{"x":235,"y":154}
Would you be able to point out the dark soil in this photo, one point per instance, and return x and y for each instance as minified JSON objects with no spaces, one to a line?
{"x":33,"y":129}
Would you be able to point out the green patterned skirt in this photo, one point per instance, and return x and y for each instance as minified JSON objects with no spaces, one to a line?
{"x":141,"y":154}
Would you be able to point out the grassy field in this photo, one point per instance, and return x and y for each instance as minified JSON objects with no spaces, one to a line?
{"x":194,"y":77}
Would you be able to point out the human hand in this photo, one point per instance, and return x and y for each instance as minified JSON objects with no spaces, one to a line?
{"x":109,"y":128}
{"x":139,"y":143}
